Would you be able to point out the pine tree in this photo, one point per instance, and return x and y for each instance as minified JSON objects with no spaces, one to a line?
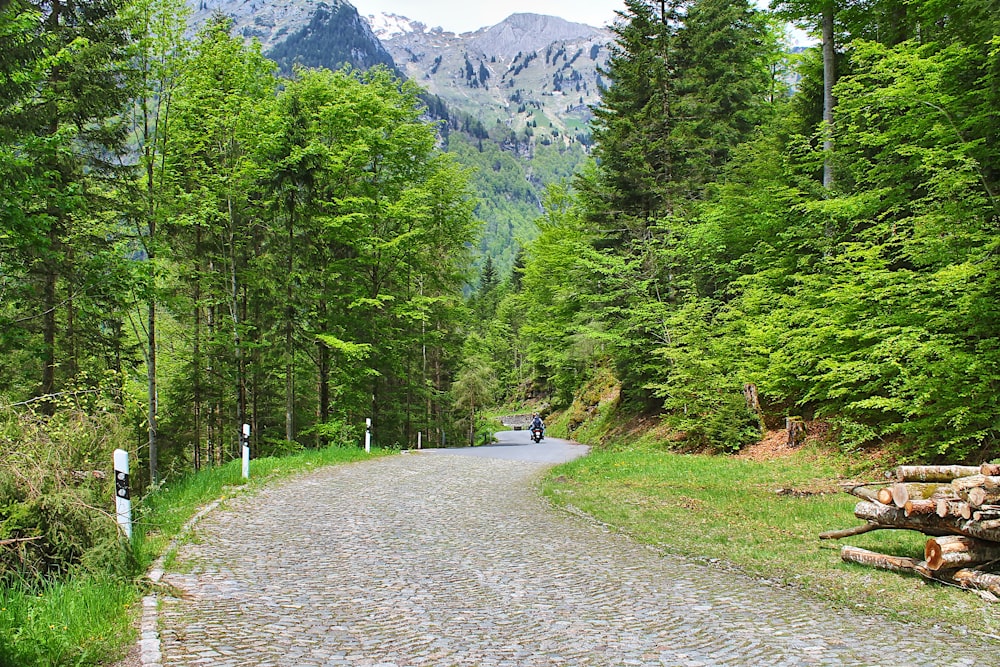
{"x":60,"y":117}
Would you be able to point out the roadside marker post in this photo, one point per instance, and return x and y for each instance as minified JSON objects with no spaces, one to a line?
{"x":368,"y":434}
{"x":246,"y":451}
{"x":420,"y":439}
{"x":123,"y":497}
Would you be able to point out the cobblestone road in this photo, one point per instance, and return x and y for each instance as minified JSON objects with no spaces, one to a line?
{"x":440,"y":560}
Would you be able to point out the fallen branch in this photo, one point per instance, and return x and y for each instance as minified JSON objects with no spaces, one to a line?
{"x":850,"y":532}
{"x":15,"y":540}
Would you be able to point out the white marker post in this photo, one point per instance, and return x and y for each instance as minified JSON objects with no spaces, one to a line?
{"x":368,"y":434}
{"x":123,"y":498}
{"x":246,"y":451}
{"x":420,"y":438}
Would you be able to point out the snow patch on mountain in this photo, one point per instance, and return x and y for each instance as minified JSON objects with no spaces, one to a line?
{"x":386,"y":26}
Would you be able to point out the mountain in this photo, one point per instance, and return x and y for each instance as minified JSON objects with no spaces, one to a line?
{"x":517,"y":99}
{"x":530,"y":73}
{"x":513,"y":99}
{"x":329,"y":33}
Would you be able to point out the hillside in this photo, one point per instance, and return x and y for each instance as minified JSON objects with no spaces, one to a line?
{"x":315,"y":34}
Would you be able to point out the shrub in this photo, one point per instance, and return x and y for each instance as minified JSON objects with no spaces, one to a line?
{"x":56,"y":490}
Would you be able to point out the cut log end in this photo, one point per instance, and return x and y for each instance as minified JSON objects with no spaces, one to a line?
{"x":952,"y":551}
{"x":917,"y":507}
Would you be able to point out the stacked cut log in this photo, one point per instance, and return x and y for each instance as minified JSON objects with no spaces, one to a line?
{"x":957,"y":507}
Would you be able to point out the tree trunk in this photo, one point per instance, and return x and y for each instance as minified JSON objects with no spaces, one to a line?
{"x":289,"y":339}
{"x":49,"y":324}
{"x":929,"y":524}
{"x":933,"y":473}
{"x":953,"y":507}
{"x":796,"y":428}
{"x":154,"y":472}
{"x":986,"y":512}
{"x":952,"y":551}
{"x":323,"y":388}
{"x":829,"y":75}
{"x":197,"y":398}
{"x":851,"y":554}
{"x":976,"y":580}
{"x":901,"y":493}
{"x":963,"y":485}
{"x":912,"y":507}
{"x":861,"y":491}
{"x":978,"y":497}
{"x":752,"y":397}
{"x":850,"y":532}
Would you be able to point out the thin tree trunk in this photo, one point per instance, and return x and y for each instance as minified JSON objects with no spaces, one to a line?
{"x":829,"y":75}
{"x":323,"y":371}
{"x":48,"y":387}
{"x":151,"y":416}
{"x":234,"y":314}
{"x":71,"y":365}
{"x":196,"y":352}
{"x":289,"y":313}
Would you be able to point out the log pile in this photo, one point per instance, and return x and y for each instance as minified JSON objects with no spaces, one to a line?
{"x":957,"y":507}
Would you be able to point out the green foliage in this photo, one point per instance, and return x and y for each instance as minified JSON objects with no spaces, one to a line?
{"x":85,"y":621}
{"x":707,"y":254}
{"x":52,"y":505}
{"x":511,"y":186}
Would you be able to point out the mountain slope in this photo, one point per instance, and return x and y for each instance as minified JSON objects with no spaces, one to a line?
{"x":327,"y":34}
{"x":518,"y":98}
{"x":514,"y":97}
{"x":530,"y":74}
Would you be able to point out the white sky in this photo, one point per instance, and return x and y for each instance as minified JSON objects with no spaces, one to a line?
{"x":467,"y":15}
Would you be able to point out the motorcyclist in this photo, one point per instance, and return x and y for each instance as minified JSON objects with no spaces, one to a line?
{"x":537,"y":423}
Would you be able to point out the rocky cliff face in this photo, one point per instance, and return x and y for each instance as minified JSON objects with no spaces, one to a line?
{"x":534,"y":75}
{"x":315,"y":33}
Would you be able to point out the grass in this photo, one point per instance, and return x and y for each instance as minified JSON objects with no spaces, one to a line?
{"x":83,"y":621}
{"x":727,"y":508}
{"x":90,"y":619}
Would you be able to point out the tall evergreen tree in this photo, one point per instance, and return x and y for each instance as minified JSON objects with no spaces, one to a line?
{"x":62,"y":111}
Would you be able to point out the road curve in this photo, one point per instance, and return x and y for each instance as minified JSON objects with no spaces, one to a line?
{"x":449,"y":557}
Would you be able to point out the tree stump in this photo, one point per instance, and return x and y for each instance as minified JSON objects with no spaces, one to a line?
{"x":752,"y":397}
{"x":796,"y":429}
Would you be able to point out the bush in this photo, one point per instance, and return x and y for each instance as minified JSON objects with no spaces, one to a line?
{"x":56,"y":490}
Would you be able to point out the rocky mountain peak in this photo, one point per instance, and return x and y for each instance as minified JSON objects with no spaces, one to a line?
{"x":314,"y":33}
{"x":526,"y":33}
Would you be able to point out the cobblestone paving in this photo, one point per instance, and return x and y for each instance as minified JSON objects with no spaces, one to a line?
{"x":448,"y":561}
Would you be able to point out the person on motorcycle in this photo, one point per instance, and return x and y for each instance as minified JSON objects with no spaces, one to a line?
{"x":537,"y":424}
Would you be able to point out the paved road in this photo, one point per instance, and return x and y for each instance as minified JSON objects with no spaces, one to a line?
{"x":449,"y":558}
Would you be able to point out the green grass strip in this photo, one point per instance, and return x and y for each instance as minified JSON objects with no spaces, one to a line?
{"x":728,"y":511}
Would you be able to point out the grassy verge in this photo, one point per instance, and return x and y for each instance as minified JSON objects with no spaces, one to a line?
{"x":727,"y":508}
{"x":89,"y":618}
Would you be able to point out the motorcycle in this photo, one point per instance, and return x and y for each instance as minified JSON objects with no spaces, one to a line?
{"x":537,"y":434}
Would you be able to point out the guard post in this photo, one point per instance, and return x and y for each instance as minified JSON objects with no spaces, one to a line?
{"x":123,"y":496}
{"x":368,"y":434}
{"x":246,"y":451}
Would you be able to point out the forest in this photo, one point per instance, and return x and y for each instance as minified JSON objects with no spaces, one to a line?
{"x":191,"y":241}
{"x":762,"y":235}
